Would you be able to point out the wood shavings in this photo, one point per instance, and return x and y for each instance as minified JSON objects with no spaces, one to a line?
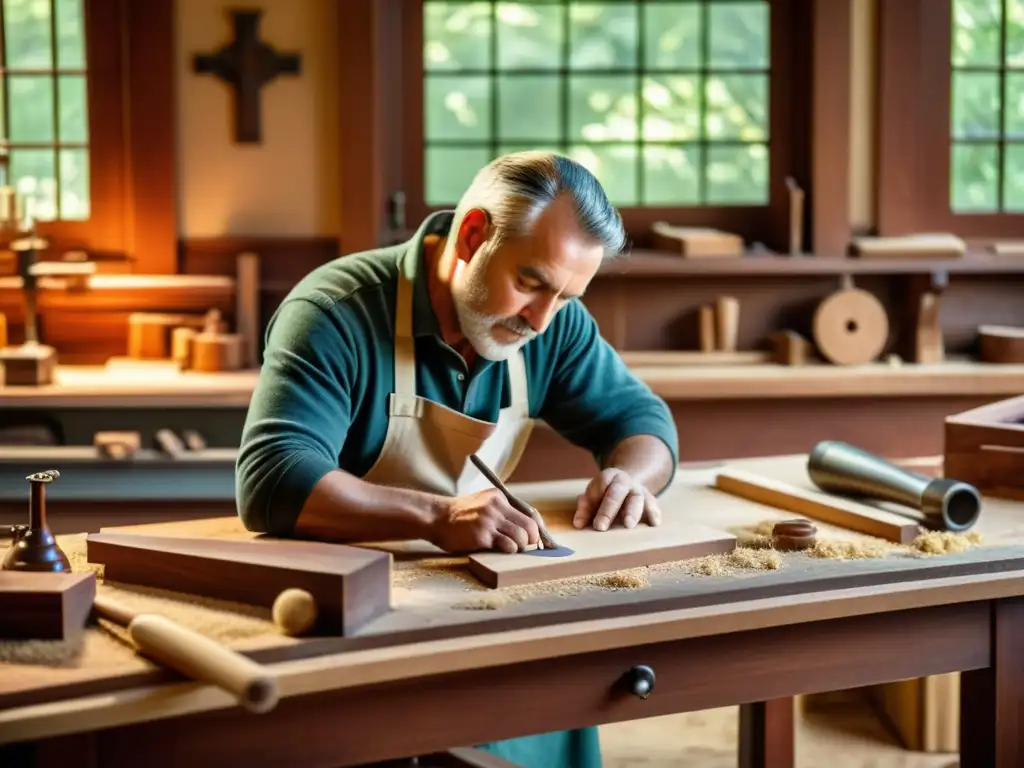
{"x":841,"y":549}
{"x":945,"y":542}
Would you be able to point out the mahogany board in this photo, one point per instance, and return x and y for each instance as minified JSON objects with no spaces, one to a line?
{"x":44,"y":605}
{"x":351,"y":585}
{"x":595,"y":552}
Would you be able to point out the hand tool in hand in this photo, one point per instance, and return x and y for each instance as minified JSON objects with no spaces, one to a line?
{"x":516,"y":502}
{"x":195,"y":655}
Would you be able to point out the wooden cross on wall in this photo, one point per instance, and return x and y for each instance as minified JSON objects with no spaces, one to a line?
{"x":247,"y":64}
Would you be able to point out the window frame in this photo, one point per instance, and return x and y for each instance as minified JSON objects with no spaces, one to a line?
{"x":382,"y":75}
{"x":130,"y":102}
{"x":914,"y":128}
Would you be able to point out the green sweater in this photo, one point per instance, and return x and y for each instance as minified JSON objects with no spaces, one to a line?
{"x":321,"y":402}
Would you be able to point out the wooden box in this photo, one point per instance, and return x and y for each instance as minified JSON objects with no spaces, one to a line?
{"x":985,"y":447}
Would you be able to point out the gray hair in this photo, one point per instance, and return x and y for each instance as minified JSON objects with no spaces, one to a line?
{"x":515,"y":188}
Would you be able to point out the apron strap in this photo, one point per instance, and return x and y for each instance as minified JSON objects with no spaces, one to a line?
{"x":520,"y":395}
{"x":405,"y":344}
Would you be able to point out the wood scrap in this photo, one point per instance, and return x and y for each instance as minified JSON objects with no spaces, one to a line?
{"x":838,"y":511}
{"x":706,"y":325}
{"x":247,"y":311}
{"x":213,"y":350}
{"x":796,"y":217}
{"x":45,"y":606}
{"x":117,"y":445}
{"x":170,"y":443}
{"x":919,"y":246}
{"x":1001,"y":344}
{"x":3,"y":330}
{"x":351,"y":585}
{"x":696,"y":242}
{"x":789,"y":348}
{"x":727,"y":322}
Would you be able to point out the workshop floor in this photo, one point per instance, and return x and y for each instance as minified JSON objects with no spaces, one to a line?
{"x":839,"y":732}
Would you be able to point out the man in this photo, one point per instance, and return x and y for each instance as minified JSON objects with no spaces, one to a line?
{"x":384,"y":371}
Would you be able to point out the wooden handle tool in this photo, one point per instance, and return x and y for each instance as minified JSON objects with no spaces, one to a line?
{"x":516,"y":502}
{"x":195,"y":655}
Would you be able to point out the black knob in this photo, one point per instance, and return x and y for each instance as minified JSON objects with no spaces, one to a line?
{"x":640,"y":680}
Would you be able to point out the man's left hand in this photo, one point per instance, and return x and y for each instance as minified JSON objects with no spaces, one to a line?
{"x":614,"y":496}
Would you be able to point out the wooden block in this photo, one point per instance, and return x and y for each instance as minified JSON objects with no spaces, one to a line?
{"x":181,"y":346}
{"x":923,"y":246}
{"x":45,"y":606}
{"x":149,"y":332}
{"x":117,"y":445}
{"x":170,"y":443}
{"x":1000,"y":344}
{"x":789,"y":348}
{"x":706,"y":323}
{"x":351,"y":585}
{"x":247,"y":311}
{"x":3,"y":330}
{"x":840,"y":512}
{"x":727,"y":322}
{"x":215,"y":352}
{"x":696,"y":242}
{"x":596,"y":552}
{"x":28,"y":365}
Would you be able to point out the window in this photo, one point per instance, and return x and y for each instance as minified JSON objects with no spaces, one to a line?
{"x":987,"y":106}
{"x":666,"y":102}
{"x":44,"y":122}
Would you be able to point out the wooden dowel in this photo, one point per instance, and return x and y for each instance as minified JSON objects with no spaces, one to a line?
{"x":195,"y":655}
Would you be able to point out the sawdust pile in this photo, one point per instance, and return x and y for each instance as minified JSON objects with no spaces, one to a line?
{"x":945,"y":543}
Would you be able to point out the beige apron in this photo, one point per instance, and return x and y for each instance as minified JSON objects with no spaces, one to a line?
{"x":428,"y":445}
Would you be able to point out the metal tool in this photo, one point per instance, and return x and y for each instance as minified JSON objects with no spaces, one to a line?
{"x":516,"y":502}
{"x":837,"y":467}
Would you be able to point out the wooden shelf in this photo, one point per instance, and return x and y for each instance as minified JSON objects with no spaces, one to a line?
{"x":644,"y":263}
{"x":94,"y":387}
{"x":123,"y":293}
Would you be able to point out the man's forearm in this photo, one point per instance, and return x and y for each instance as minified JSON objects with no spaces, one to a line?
{"x":342,"y":507}
{"x":646,"y":458}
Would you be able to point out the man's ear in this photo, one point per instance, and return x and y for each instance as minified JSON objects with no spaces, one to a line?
{"x":474,"y":229}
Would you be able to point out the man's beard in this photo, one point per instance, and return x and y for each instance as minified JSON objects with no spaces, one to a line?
{"x":477,"y":327}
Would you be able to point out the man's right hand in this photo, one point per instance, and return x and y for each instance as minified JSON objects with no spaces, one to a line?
{"x":481,"y":521}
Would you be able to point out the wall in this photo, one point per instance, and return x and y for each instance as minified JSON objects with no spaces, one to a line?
{"x":287,"y":186}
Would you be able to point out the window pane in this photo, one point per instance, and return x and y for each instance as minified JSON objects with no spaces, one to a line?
{"x":33,"y":172}
{"x":614,"y":166}
{"x":31,"y":108}
{"x":603,"y":108}
{"x":671,"y":108}
{"x":738,"y":35}
{"x":975,"y":104}
{"x":449,"y":170}
{"x":976,"y":32}
{"x":457,"y":108}
{"x":456,"y":36}
{"x":530,"y":36}
{"x":602,"y":36}
{"x":737,"y":175}
{"x":73,"y":109}
{"x":974,"y":178}
{"x":27,"y":41}
{"x":74,"y":184}
{"x":1015,"y":33}
{"x":737,"y":107}
{"x":1013,"y":178}
{"x":70,"y":34}
{"x":671,"y":175}
{"x":672,"y":35}
{"x":530,"y":107}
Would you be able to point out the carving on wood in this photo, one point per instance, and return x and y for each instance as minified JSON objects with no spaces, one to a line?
{"x":247,"y":64}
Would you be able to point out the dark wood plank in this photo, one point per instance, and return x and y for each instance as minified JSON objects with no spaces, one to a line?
{"x":513,"y":700}
{"x":992,"y":698}
{"x":45,"y":606}
{"x":351,"y":585}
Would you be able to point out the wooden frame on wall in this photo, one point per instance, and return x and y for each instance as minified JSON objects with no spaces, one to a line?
{"x":381,"y":74}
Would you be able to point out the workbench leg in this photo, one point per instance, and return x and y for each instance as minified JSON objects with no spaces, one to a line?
{"x":992,"y":699}
{"x":767,"y":734}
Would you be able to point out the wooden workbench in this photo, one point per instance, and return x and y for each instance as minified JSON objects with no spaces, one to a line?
{"x":456,"y":667}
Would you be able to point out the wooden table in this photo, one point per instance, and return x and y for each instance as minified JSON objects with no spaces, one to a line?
{"x":424,"y":679}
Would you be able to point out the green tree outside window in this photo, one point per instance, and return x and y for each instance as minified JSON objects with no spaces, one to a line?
{"x":666,"y":102}
{"x":987,"y":106}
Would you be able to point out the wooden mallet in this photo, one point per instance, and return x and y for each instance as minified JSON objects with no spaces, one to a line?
{"x":195,"y":656}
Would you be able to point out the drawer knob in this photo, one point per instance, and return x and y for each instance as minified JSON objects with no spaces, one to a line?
{"x":640,"y":680}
